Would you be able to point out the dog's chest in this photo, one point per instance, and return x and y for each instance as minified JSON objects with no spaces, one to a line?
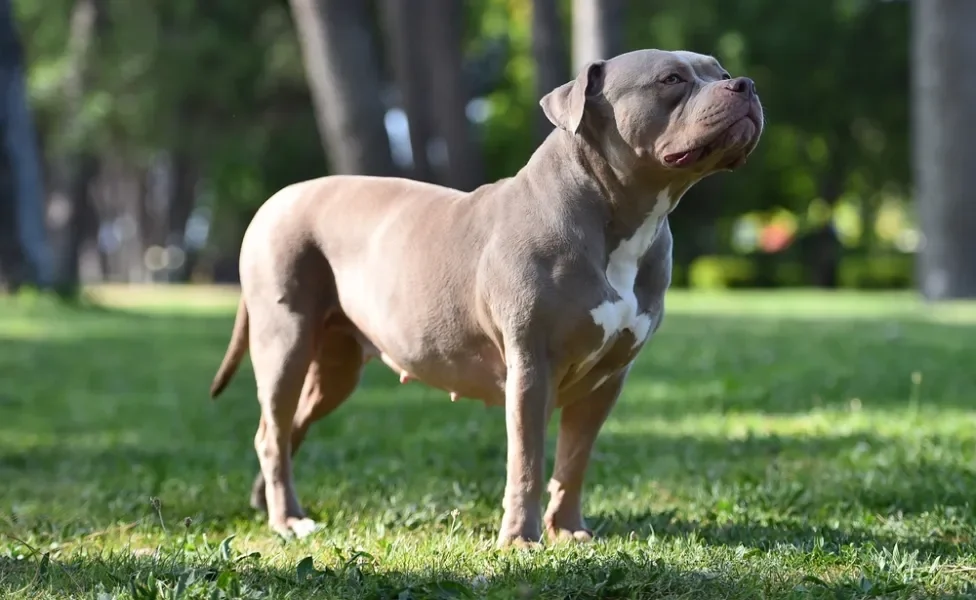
{"x":622,"y":312}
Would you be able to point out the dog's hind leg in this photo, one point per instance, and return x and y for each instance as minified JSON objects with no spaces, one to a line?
{"x":282,"y":338}
{"x":332,"y":377}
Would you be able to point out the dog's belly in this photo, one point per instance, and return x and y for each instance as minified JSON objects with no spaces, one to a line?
{"x":461,"y":363}
{"x":417,"y":315}
{"x":474,"y":374}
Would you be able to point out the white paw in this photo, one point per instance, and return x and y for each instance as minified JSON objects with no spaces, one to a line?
{"x":303,"y":527}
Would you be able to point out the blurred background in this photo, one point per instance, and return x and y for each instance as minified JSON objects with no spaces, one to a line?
{"x":139,"y":137}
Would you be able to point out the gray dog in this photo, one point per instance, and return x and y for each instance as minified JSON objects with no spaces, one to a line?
{"x":534,"y":293}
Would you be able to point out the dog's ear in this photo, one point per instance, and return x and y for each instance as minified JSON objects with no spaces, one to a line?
{"x":565,"y":105}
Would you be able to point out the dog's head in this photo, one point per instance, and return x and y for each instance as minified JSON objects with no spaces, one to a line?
{"x":674,"y":113}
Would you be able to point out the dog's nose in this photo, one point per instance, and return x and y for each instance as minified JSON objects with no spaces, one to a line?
{"x":742,"y":85}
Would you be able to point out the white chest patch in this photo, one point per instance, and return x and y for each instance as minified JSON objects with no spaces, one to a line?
{"x":624,"y":314}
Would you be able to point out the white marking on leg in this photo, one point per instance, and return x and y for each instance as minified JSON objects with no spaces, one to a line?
{"x":617,"y":315}
{"x":600,"y":382}
{"x":304,"y":527}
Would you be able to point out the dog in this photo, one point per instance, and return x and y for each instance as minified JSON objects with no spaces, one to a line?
{"x":535,"y":292}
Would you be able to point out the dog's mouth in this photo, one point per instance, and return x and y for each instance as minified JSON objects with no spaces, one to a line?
{"x":723,"y":140}
{"x":688,"y":157}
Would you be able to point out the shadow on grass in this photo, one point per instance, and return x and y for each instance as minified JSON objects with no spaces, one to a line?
{"x":801,"y":493}
{"x":119,"y":400}
{"x":362,"y":576}
{"x":800,"y":535}
{"x":828,"y":506}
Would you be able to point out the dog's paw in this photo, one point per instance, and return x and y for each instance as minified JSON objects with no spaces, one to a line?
{"x":516,"y":542}
{"x":295,"y":528}
{"x":303,"y":527}
{"x":566,"y":525}
{"x":561,"y":535}
{"x":526,"y":536}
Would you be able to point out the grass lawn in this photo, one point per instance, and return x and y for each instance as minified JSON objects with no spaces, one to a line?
{"x":767,"y":445}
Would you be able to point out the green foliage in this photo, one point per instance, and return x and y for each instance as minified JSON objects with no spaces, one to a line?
{"x":785,"y":445}
{"x":832,"y":77}
{"x":717,"y":272}
{"x":220,"y":81}
{"x":884,"y":271}
{"x":855,"y":271}
{"x":223,"y":81}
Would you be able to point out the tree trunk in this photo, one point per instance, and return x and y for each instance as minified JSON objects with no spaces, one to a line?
{"x":344,"y":81}
{"x":944,"y":123}
{"x":598,"y":30}
{"x":11,"y":260}
{"x":74,"y":166}
{"x":549,"y":50}
{"x":443,"y":21}
{"x":404,"y":26}
{"x":18,"y":143}
{"x":182,"y":201}
{"x":71,"y":206}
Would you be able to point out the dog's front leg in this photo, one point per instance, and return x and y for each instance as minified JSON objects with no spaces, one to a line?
{"x":528,"y":391}
{"x":579,"y":426}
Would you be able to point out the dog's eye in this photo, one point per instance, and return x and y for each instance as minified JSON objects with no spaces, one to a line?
{"x":726,"y":76}
{"x":672,"y":79}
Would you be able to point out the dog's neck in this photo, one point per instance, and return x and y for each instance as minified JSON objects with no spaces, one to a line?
{"x":631,"y":196}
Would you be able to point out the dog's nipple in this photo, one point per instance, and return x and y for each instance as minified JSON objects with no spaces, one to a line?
{"x":404,"y":377}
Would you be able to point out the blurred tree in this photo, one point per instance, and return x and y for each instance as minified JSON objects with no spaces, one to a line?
{"x":29,"y":259}
{"x":190,"y":109}
{"x":74,"y":166}
{"x":11,"y":260}
{"x":598,"y":30}
{"x":944,"y":94}
{"x":219,"y":86}
{"x":403,"y":25}
{"x":442,"y":32}
{"x":549,"y":55}
{"x":343,"y":76}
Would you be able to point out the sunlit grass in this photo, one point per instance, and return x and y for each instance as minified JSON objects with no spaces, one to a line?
{"x":768,"y":445}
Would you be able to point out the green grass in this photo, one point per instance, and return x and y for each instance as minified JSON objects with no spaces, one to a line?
{"x":788,"y":445}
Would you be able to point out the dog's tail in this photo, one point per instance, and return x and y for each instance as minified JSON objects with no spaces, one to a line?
{"x":235,"y":351}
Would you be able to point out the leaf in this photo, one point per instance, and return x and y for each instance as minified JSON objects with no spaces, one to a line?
{"x":181,"y":585}
{"x":140,"y":590}
{"x":45,"y":564}
{"x":360,"y":554}
{"x":255,"y":555}
{"x":816,"y":580}
{"x":227,"y":582}
{"x":225,"y":549}
{"x":305,"y":569}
